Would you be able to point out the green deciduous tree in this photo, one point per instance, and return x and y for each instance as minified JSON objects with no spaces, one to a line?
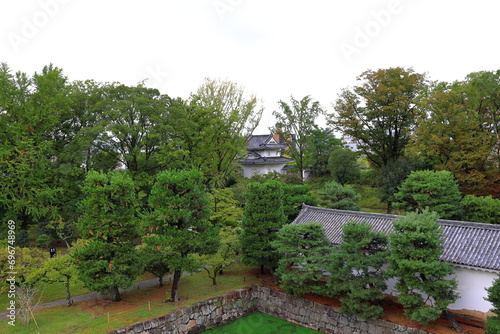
{"x":262,"y":218}
{"x":109,"y":260}
{"x":210,"y":129}
{"x":437,"y":191}
{"x":356,"y":271}
{"x":180,"y":221}
{"x":226,"y":255}
{"x":335,"y":196}
{"x":390,"y":178}
{"x":381,"y":112}
{"x":294,"y":124}
{"x":303,"y":258}
{"x":459,"y":135}
{"x":422,"y":286}
{"x":31,"y":109}
{"x":481,"y":209}
{"x":321,"y":143}
{"x":493,"y":323}
{"x":60,"y":269}
{"x":343,"y":165}
{"x":226,"y":211}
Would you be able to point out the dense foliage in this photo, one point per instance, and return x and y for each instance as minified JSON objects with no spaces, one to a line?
{"x":109,"y":260}
{"x":437,"y":191}
{"x":304,"y":256}
{"x":262,"y":218}
{"x":493,"y":323}
{"x":356,"y":271}
{"x":416,"y":246}
{"x":180,"y":221}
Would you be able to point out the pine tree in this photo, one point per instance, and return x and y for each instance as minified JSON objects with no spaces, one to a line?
{"x":437,"y":191}
{"x":262,"y":218}
{"x":356,"y":271}
{"x":181,"y":221}
{"x":493,"y":323}
{"x":109,"y":260}
{"x":303,"y":251}
{"x":416,"y":246}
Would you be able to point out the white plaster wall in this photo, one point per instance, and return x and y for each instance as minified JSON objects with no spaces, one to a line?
{"x":249,"y":171}
{"x":471,"y":287}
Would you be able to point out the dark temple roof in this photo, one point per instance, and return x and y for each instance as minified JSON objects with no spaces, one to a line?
{"x":263,"y":142}
{"x":464,"y":243}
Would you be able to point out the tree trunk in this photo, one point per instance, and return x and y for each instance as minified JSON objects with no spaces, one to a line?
{"x":453,"y":322}
{"x":389,"y":207}
{"x":174,"y":295}
{"x":161,"y":280}
{"x":68,"y":294}
{"x":67,"y":244}
{"x":117,"y":296}
{"x":262,"y":269}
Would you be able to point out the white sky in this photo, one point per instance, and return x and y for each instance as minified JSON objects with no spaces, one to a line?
{"x":273,"y":48}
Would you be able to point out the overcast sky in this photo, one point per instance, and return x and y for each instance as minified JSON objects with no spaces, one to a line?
{"x":273,"y":48}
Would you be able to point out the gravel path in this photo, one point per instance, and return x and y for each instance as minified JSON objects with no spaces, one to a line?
{"x":93,"y":295}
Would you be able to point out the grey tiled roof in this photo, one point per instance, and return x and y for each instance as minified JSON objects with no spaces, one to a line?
{"x":266,"y":161}
{"x":260,"y":142}
{"x":464,"y":243}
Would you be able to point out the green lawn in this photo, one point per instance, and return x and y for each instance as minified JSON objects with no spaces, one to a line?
{"x":92,"y":317}
{"x":260,"y":323}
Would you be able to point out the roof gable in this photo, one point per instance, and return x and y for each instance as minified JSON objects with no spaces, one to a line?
{"x":464,"y":243}
{"x":263,"y":142}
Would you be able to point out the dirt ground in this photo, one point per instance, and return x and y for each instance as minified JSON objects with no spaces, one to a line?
{"x":471,"y":322}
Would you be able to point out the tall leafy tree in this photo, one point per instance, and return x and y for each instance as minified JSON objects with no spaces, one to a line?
{"x":461,"y":132}
{"x":225,"y":209}
{"x":210,"y":129}
{"x":390,"y":178}
{"x":356,"y":270}
{"x":109,"y":260}
{"x":180,"y":221}
{"x":343,"y":165}
{"x":262,"y":218}
{"x":31,"y":109}
{"x":294,"y":124}
{"x":304,"y":252}
{"x":416,"y":246}
{"x":381,"y":112}
{"x":321,"y":143}
{"x":437,"y":191}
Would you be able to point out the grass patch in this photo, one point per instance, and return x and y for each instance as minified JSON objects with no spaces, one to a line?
{"x":92,"y":316}
{"x":260,"y":323}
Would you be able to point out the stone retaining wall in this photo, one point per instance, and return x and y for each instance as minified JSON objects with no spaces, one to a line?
{"x":233,"y":305}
